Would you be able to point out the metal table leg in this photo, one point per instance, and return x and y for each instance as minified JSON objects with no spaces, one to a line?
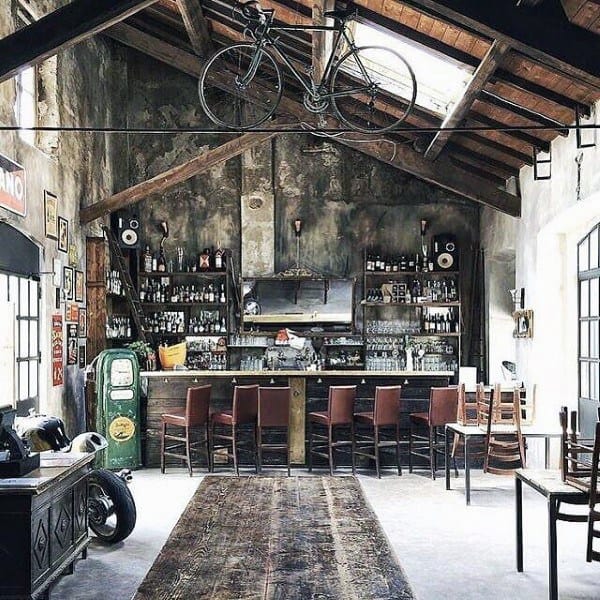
{"x":467,"y":472}
{"x":552,"y":573}
{"x":519,"y":522}
{"x":547,"y":452}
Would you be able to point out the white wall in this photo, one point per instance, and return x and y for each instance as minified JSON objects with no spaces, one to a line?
{"x":545,"y":240}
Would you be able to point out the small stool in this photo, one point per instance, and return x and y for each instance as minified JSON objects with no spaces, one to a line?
{"x":273,"y":413}
{"x":386,"y":414}
{"x":339,"y":413}
{"x":244,"y":412}
{"x":193,"y":415}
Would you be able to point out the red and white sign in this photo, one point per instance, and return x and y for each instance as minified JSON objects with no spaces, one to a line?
{"x":13,"y":190}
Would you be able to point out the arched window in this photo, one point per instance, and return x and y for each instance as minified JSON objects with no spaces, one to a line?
{"x":20,"y":297}
{"x":589,"y":323}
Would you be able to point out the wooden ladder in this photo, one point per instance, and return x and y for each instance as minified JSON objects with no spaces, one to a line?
{"x":130,"y":292}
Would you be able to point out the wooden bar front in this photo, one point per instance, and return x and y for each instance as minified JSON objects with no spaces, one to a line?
{"x":166,"y":390}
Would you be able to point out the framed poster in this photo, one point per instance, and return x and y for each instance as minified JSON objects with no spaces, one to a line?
{"x":78,"y":286}
{"x":523,"y":324}
{"x":13,"y":186}
{"x":68,"y":282}
{"x":82,"y":322}
{"x":72,"y":349}
{"x":50,"y":215}
{"x":63,"y":234}
{"x":81,"y":354}
{"x":71,"y":312}
{"x":57,"y":350}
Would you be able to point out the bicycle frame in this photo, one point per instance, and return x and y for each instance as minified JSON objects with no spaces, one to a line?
{"x":310,"y":86}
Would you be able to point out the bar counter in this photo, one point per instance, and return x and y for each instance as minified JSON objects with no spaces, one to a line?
{"x":166,"y":390}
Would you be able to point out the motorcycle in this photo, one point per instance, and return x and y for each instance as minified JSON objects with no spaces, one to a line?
{"x":111,"y":508}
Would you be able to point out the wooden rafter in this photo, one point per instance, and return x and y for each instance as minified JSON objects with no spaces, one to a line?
{"x":400,"y":156}
{"x":460,"y":110}
{"x":320,"y":39}
{"x":196,"y":26}
{"x":546,"y":38}
{"x":164,"y":181}
{"x":66,"y":26}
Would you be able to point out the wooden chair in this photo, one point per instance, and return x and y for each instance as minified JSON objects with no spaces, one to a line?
{"x":500,"y":414}
{"x":385,"y":415}
{"x":339,"y":415}
{"x":443,"y":406}
{"x":274,"y":414}
{"x":467,"y":415}
{"x":194,"y":415}
{"x":244,"y":412}
{"x":594,"y":514}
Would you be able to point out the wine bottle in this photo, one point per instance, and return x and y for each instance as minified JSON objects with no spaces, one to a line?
{"x":219,"y":258}
{"x":147,"y":259}
{"x":161,"y":264}
{"x":204,"y":262}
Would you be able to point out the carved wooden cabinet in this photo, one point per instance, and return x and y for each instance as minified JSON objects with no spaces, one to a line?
{"x":43,"y":524}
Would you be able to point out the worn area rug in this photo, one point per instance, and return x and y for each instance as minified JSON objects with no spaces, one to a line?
{"x":277,"y":538}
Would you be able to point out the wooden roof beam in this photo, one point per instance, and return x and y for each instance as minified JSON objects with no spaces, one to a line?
{"x":66,"y":26}
{"x":196,"y":26}
{"x":478,"y":81}
{"x":546,"y":37}
{"x":174,"y":176}
{"x":400,"y":156}
{"x":321,"y":39}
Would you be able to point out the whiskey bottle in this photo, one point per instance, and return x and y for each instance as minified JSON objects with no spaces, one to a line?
{"x":161,"y":265}
{"x":147,"y":259}
{"x":219,"y":258}
{"x":204,"y":260}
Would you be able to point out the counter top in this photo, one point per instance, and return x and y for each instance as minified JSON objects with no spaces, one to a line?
{"x":348,"y":373}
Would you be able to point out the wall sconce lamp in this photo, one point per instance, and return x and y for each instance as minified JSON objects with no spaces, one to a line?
{"x":542,"y":164}
{"x":585,"y":127}
{"x":518,"y":298}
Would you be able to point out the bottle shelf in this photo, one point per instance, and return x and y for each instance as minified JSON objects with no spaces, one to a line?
{"x":183,"y":304}
{"x":422,"y":334}
{"x":412,"y":304}
{"x":160,"y":274}
{"x":391,"y":274}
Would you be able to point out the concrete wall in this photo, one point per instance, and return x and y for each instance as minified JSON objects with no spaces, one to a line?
{"x":88,"y":80}
{"x":545,"y":240}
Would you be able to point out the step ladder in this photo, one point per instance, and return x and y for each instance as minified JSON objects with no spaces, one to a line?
{"x":130,"y":292}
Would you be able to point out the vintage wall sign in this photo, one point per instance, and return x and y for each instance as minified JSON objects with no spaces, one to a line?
{"x":13,"y":190}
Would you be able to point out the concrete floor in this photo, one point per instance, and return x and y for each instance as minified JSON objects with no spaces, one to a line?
{"x":448,"y":550}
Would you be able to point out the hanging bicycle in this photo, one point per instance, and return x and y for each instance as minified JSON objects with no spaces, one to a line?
{"x":355,"y":83}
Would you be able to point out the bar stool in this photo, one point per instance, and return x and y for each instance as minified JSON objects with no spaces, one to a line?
{"x":274,"y":414}
{"x":339,"y":414}
{"x":193,"y":415}
{"x":385,"y":414}
{"x":244,"y":412}
{"x":443,"y":406}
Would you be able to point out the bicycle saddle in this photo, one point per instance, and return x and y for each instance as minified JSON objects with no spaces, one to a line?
{"x":342,"y":14}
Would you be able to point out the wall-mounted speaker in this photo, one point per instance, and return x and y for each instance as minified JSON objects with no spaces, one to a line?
{"x":127,"y":227}
{"x":445,"y":252}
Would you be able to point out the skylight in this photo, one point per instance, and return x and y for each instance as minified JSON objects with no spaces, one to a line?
{"x":440,"y":80}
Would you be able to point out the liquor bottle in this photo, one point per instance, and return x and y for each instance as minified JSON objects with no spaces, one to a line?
{"x":403,"y":263}
{"x":370,"y":264}
{"x":161,"y":265}
{"x":204,"y":261}
{"x":222,"y":298}
{"x":219,"y":258}
{"x":154,"y":263}
{"x":147,"y":259}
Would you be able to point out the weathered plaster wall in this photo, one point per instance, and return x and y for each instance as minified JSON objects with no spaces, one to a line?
{"x":80,"y":171}
{"x":545,"y":240}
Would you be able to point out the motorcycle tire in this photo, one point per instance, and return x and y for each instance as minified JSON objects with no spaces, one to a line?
{"x":111,"y":508}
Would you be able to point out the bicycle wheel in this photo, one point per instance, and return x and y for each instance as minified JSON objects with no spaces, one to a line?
{"x":373,"y":89}
{"x":252,"y":80}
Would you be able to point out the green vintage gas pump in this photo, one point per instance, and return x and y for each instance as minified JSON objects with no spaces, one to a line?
{"x":118,"y":408}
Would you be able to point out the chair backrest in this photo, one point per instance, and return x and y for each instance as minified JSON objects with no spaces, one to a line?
{"x":274,"y":406}
{"x":443,"y":405}
{"x":575,"y":452}
{"x":341,"y":404}
{"x":483,"y":399}
{"x":197,"y":404}
{"x":245,"y":403}
{"x":386,"y":410}
{"x":593,"y":518}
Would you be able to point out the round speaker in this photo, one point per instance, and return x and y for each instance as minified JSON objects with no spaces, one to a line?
{"x":445,"y":260}
{"x":134,"y":224}
{"x":450,"y":246}
{"x":129,"y":237}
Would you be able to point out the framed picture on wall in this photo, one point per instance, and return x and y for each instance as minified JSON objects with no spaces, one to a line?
{"x":82,"y":330}
{"x":68,"y":282}
{"x":523,"y":324}
{"x":78,"y":286}
{"x":50,"y":215}
{"x":63,"y":234}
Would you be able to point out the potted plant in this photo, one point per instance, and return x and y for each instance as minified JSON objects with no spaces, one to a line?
{"x":145,"y":355}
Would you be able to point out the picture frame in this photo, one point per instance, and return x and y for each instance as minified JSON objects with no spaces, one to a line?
{"x":523,"y":324}
{"x":63,"y":234}
{"x":68,"y":282}
{"x":82,"y":330}
{"x":50,"y":215}
{"x":79,"y":284}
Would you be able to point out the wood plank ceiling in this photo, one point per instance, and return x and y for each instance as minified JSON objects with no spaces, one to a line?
{"x":516,"y":91}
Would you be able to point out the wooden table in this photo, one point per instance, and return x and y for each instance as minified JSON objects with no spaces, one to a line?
{"x":550,"y":485}
{"x":468,"y":432}
{"x":43,"y":524}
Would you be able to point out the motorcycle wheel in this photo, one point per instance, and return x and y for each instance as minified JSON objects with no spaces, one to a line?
{"x":111,"y":508}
